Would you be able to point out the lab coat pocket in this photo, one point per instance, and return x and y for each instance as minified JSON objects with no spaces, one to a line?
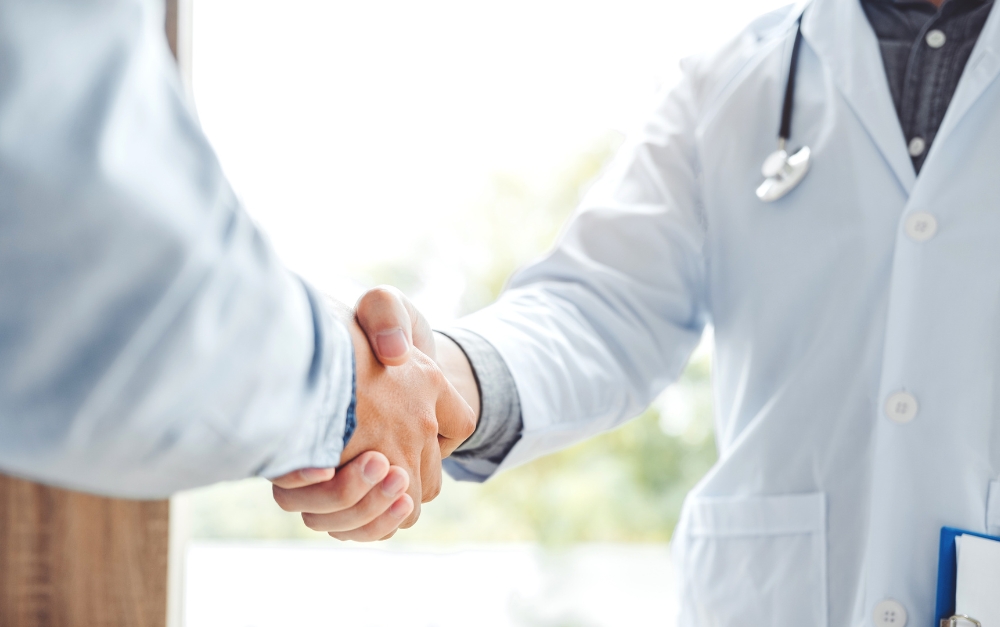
{"x":756,"y":561}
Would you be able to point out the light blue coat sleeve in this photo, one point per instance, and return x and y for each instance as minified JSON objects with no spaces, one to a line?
{"x":150,"y":339}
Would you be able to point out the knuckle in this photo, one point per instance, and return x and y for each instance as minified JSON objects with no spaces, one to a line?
{"x":368,"y":533}
{"x":432,"y":491}
{"x":412,"y":518}
{"x":427,"y":367}
{"x":334,"y":498}
{"x":427,"y":424}
{"x":468,"y":427}
{"x":432,"y":485}
{"x":312,"y":521}
{"x":437,"y":376}
{"x":368,"y":508}
{"x":377,"y":298}
{"x":281,"y":498}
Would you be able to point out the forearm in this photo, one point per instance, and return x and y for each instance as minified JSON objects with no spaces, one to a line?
{"x":456,"y":367}
{"x":232,"y":370}
{"x":571,"y":381}
{"x":151,"y":340}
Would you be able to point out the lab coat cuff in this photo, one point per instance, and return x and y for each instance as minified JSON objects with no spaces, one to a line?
{"x":499,"y":425}
{"x":475,"y":470}
{"x":535,"y":435}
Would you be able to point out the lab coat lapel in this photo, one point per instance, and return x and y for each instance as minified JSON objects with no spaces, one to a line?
{"x":839,"y":32}
{"x":980,"y":70}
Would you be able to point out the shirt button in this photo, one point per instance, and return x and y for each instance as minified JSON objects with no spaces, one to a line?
{"x":936,"y":38}
{"x":920,"y":226}
{"x":917,"y":146}
{"x":901,"y":408}
{"x":889,"y":613}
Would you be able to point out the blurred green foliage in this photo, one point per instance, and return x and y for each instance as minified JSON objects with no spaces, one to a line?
{"x":519,"y":219}
{"x":623,"y":486}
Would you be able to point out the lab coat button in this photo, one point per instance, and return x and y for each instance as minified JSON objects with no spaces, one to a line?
{"x":901,"y":407}
{"x":936,"y":38}
{"x":920,"y":226}
{"x":889,"y":613}
{"x":917,"y":146}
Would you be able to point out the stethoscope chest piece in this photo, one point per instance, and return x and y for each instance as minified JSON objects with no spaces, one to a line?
{"x":782,"y":172}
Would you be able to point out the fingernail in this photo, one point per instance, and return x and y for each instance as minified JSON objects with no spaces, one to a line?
{"x":375,"y":469}
{"x":315,"y":474}
{"x":400,"y":508}
{"x":391,"y":343}
{"x":393,"y":484}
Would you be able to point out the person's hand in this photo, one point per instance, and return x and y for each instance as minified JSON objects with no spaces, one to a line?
{"x":394,"y":326}
{"x":410,"y":413}
{"x":363,"y":500}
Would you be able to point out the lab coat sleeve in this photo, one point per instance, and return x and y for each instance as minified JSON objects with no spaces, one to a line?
{"x":598,"y":327}
{"x":499,"y":426}
{"x":150,"y":340}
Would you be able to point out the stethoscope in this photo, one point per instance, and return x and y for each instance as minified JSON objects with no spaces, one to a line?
{"x":782,"y":172}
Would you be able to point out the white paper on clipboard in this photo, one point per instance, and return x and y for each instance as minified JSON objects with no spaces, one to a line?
{"x":977,"y":593}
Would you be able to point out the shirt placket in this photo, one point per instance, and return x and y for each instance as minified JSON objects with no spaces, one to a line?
{"x":922,"y":87}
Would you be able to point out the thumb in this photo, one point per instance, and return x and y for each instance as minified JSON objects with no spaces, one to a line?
{"x":456,"y":420}
{"x":385,"y":319}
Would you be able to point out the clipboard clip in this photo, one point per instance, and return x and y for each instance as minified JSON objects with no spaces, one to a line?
{"x":954,"y":621}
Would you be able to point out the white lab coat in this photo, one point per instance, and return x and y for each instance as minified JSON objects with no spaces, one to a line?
{"x":824,"y":503}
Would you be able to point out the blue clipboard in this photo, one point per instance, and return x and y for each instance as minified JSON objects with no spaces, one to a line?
{"x":948,"y":570}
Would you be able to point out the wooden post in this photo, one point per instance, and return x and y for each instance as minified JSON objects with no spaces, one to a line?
{"x":179,"y":13}
{"x":76,"y":560}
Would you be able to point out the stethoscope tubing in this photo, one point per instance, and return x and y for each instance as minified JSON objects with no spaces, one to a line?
{"x":785,"y":130}
{"x":782,"y":171}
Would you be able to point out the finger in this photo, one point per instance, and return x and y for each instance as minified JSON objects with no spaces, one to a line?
{"x":382,"y":310}
{"x":304,"y":477}
{"x":412,"y":518}
{"x":389,"y":535}
{"x":386,"y":321}
{"x":373,"y":505}
{"x":382,"y":526}
{"x":456,"y":420}
{"x":351,"y":483}
{"x":430,"y":474}
{"x":422,"y":333}
{"x":415,"y":492}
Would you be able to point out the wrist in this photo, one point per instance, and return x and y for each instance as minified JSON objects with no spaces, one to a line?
{"x":455,"y":365}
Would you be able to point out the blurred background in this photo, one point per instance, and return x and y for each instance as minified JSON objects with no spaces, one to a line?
{"x":437,"y":146}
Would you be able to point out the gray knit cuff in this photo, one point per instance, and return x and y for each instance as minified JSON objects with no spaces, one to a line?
{"x":499,"y":425}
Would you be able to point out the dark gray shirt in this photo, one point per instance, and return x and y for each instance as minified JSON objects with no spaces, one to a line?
{"x":924,"y":51}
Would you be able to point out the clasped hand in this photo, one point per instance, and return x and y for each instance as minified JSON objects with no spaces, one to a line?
{"x":409,"y":417}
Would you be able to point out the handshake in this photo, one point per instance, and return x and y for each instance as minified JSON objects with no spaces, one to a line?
{"x":414,"y":407}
